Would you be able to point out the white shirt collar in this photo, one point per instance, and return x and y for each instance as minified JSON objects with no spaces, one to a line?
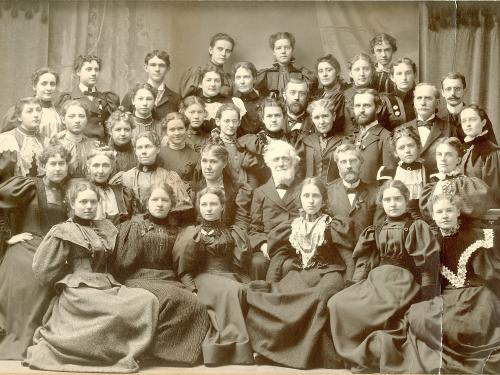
{"x":429,"y":119}
{"x":160,"y":88}
{"x":84,"y":88}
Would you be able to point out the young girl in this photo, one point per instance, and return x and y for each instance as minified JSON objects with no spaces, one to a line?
{"x":456,"y":332}
{"x":115,"y":323}
{"x":143,"y":100}
{"x":20,"y":147}
{"x":175,"y":154}
{"x":204,"y":255}
{"x":320,"y":249}
{"x":474,"y":192}
{"x":394,"y":263}
{"x":140,"y":178}
{"x":44,"y":83}
{"x":317,"y":150}
{"x":272,"y":81}
{"x":198,"y":131}
{"x":210,"y":93}
{"x":271,"y":115}
{"x":143,"y":259}
{"x":245,"y":74}
{"x":410,"y":170}
{"x":482,"y":159}
{"x":119,"y":127}
{"x":74,"y":116}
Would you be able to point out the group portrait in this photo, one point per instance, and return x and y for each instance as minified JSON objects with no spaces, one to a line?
{"x":296,"y":184}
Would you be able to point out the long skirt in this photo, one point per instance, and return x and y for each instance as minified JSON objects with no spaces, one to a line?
{"x":290,"y":324}
{"x":458,"y":332}
{"x":227,"y":341}
{"x":90,"y":329}
{"x":183,"y":322}
{"x":358,"y":312}
{"x":23,"y":300}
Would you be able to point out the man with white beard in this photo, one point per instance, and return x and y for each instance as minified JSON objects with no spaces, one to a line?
{"x":273,"y":203}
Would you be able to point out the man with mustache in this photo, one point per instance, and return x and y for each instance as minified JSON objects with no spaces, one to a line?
{"x":349,"y":196}
{"x":273,"y":203}
{"x":297,"y":122}
{"x":371,"y":138}
{"x":453,"y":87}
{"x":429,"y":127}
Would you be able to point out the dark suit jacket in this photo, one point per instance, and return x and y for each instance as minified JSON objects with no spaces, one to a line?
{"x":440,"y":129}
{"x":268,"y":210}
{"x":363,"y":212}
{"x":295,"y":136}
{"x":99,"y":110}
{"x":169,"y":102}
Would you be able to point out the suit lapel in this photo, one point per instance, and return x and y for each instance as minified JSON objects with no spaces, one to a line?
{"x":270,"y":191}
{"x":92,"y":105}
{"x":339,"y":197}
{"x":435,"y":133}
{"x":360,"y":197}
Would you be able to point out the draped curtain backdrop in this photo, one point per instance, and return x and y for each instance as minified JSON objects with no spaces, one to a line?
{"x":439,"y":36}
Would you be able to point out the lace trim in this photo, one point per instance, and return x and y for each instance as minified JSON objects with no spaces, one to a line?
{"x":458,"y":279}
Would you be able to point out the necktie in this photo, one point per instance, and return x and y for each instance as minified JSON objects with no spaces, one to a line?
{"x":350,"y":190}
{"x":282,"y":187}
{"x":426,"y":124}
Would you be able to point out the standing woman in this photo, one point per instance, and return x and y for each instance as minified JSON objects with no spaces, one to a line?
{"x":23,"y":301}
{"x":140,"y":178}
{"x":44,"y":82}
{"x":482,"y":158}
{"x":94,"y":323}
{"x":395,"y":265}
{"x":288,"y":324}
{"x":317,"y":150}
{"x":450,"y":180}
{"x":143,"y":259}
{"x":204,"y":255}
{"x":245,"y":74}
{"x":119,"y":128}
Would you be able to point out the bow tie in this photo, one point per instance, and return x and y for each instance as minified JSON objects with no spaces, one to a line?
{"x":351,"y":190}
{"x":282,"y":186}
{"x":411,"y":166}
{"x":90,"y":93}
{"x":427,"y":124}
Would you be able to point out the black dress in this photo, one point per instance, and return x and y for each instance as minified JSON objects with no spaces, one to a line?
{"x":143,"y":259}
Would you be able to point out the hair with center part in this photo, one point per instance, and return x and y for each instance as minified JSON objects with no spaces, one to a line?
{"x":406,"y":61}
{"x":405,"y":131}
{"x":454,"y":143}
{"x":73,"y":103}
{"x":393,"y":184}
{"x":151,"y":135}
{"x":316,"y":181}
{"x":381,"y":38}
{"x":219,"y":192}
{"x":35,"y":77}
{"x":347,"y":147}
{"x":163,"y":186}
{"x":162,"y":55}
{"x":18,"y":109}
{"x":79,"y":186}
{"x":281,"y":35}
{"x":455,"y":200}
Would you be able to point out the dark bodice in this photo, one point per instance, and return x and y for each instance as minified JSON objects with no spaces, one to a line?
{"x":216,"y":247}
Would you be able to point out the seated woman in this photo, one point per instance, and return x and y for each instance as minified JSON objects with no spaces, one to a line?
{"x":198,"y":130}
{"x":23,"y":301}
{"x":213,"y":162}
{"x":175,"y":154}
{"x":317,"y":150}
{"x":143,"y":259}
{"x":20,"y":147}
{"x":458,"y":331}
{"x":272,"y":117}
{"x":289,"y":325}
{"x":140,"y":178}
{"x":244,"y":74}
{"x":204,"y":255}
{"x":44,"y":83}
{"x":331,"y":86}
{"x":143,"y":102}
{"x":94,"y":323}
{"x":115,"y":201}
{"x":210,"y":93}
{"x":272,"y":81}
{"x":474,"y":192}
{"x":79,"y":146}
{"x":482,"y":159}
{"x":406,"y":144}
{"x":119,"y":128}
{"x":395,"y":264}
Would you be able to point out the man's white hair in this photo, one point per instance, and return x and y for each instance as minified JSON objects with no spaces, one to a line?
{"x":281,"y":147}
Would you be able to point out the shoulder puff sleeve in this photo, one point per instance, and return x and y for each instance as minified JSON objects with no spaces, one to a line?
{"x":128,"y":249}
{"x":111,"y":101}
{"x":341,"y":231}
{"x":365,"y":254}
{"x":49,"y":262}
{"x":188,"y":82}
{"x":186,"y":255}
{"x":17,"y":192}
{"x":61,"y":99}
{"x":9,"y":120}
{"x":491,"y":174}
{"x":425,"y":197}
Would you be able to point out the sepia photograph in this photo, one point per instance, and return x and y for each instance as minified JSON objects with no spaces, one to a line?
{"x":241,"y":187}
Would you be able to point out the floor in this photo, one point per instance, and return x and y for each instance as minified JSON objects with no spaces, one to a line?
{"x":15,"y":367}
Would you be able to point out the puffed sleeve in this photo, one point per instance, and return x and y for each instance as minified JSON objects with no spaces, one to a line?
{"x":187,"y":255}
{"x":491,"y":175}
{"x":243,"y":203}
{"x":8,"y":155}
{"x":341,"y":231}
{"x":261,"y":82}
{"x":423,"y":247}
{"x":425,"y":198}
{"x":256,"y":231}
{"x":111,"y":101}
{"x":242,"y":250}
{"x":60,"y":100}
{"x":476,"y":196}
{"x":17,"y":192}
{"x":128,"y":249}
{"x":9,"y":120}
{"x":365,"y":254}
{"x":188,"y":83}
{"x":310,"y":78}
{"x":49,"y":261}
{"x":127,"y":102}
